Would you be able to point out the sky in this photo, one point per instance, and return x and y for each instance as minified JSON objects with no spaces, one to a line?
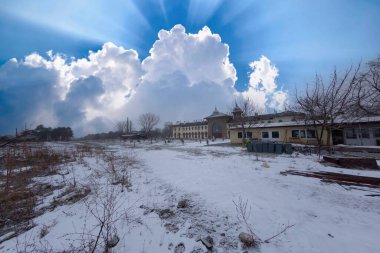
{"x":88,"y":64}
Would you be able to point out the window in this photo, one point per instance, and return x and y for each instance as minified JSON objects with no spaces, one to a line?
{"x":275,"y":134}
{"x":302,"y":134}
{"x":269,"y":121}
{"x":311,"y":134}
{"x":280,"y":120}
{"x":364,"y":133}
{"x":249,"y":134}
{"x":265,"y":135}
{"x":216,"y":128}
{"x":376,"y":132}
{"x":295,"y":133}
{"x":240,"y":135}
{"x":350,"y":133}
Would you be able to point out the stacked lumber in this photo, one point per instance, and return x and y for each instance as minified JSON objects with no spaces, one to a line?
{"x":339,"y":178}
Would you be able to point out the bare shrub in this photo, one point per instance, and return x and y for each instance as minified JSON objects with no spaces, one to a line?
{"x":119,"y":168}
{"x":84,"y":149}
{"x":105,"y":207}
{"x":243,"y":214}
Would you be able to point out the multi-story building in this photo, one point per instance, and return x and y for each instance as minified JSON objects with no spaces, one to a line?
{"x":214,"y":126}
{"x":190,"y":130}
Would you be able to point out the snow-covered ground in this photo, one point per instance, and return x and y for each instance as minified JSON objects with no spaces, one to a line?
{"x":326,"y":217}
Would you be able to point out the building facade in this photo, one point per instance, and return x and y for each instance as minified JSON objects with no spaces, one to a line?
{"x":361,"y":132}
{"x":288,"y":127}
{"x":217,"y":124}
{"x":214,"y":126}
{"x":190,"y":130}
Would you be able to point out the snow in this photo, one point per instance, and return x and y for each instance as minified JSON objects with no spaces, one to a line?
{"x":327,"y":217}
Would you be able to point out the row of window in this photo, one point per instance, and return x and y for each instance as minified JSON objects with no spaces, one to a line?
{"x":309,"y":134}
{"x":201,"y":135}
{"x":264,"y":135}
{"x":353,"y":133}
{"x":274,"y":135}
{"x":247,"y":135}
{"x":191,"y":128}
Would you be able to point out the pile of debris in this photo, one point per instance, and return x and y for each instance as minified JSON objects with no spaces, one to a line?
{"x":353,"y":162}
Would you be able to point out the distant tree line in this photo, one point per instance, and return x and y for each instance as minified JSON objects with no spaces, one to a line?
{"x":52,"y":134}
{"x":102,"y":136}
{"x":147,"y":123}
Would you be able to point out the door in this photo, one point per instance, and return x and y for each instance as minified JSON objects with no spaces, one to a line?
{"x":337,"y":137}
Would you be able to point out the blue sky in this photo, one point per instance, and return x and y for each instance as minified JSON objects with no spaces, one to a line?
{"x":300,"y":37}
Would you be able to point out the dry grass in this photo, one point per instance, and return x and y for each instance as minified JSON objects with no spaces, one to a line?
{"x":21,"y":193}
{"x":19,"y":164}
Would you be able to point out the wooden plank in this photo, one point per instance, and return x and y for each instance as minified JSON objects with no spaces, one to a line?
{"x":338,"y":178}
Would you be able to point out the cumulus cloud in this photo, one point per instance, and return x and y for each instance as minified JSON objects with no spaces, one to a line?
{"x":183,"y":78}
{"x":263,"y":87}
{"x":77,"y":92}
{"x":201,"y":57}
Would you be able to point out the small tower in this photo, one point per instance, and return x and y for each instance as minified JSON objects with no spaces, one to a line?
{"x":237,"y":112}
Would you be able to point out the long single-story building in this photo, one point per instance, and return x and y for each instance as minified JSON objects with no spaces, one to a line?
{"x":361,"y":132}
{"x":285,"y":126}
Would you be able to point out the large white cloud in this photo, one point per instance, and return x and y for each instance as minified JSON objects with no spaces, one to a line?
{"x":186,"y":75}
{"x":263,"y":89}
{"x":183,"y":78}
{"x":201,"y":57}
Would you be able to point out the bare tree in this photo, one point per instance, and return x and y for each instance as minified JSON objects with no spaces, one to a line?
{"x":124,"y":126}
{"x":167,"y":130}
{"x":244,"y":112}
{"x":368,"y":89}
{"x":327,"y":106}
{"x":147,"y":122}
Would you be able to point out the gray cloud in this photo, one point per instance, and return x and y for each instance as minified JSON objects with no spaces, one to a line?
{"x":27,"y":95}
{"x":83,"y":93}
